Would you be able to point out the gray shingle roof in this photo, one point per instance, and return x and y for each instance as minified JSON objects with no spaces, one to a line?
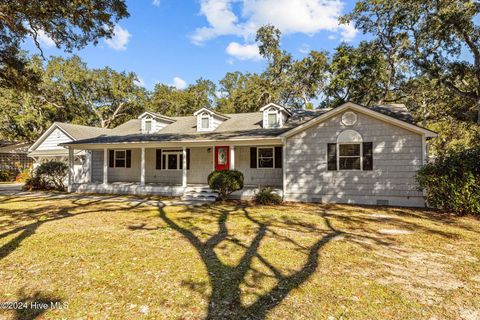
{"x":398,"y":111}
{"x":80,"y":132}
{"x":238,"y":125}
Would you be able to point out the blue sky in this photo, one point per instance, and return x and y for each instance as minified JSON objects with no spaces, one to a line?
{"x":177,"y":42}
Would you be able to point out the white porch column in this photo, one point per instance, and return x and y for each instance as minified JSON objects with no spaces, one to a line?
{"x":105,"y":166}
{"x":142,"y":167}
{"x":184,"y":166}
{"x":88,"y":160}
{"x":213,"y":158}
{"x":71,"y":172}
{"x":232,"y":157}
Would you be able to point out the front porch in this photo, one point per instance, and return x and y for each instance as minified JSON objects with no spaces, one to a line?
{"x":173,"y":171}
{"x":247,"y":193}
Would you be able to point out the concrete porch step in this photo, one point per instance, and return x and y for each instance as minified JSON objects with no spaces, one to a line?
{"x":199,"y":193}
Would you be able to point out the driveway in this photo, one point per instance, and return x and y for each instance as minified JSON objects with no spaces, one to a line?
{"x":10,"y":188}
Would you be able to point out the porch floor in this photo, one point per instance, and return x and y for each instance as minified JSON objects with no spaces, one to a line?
{"x":247,"y":193}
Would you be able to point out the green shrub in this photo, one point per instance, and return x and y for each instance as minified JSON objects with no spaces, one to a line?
{"x":225,"y":182}
{"x":267,"y":196}
{"x":4,"y":176}
{"x":452,"y":182}
{"x":48,"y":175}
{"x":35,"y":183}
{"x":8,"y":175}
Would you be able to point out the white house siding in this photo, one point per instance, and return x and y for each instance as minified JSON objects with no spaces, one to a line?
{"x":81,"y":168}
{"x":51,"y":142}
{"x":201,"y":164}
{"x":97,"y":166}
{"x":397,"y":155}
{"x":131,"y":174}
{"x":256,"y":176}
{"x":153,"y":175}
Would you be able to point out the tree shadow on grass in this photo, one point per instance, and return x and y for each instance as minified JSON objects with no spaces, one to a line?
{"x":35,"y":305}
{"x":226,"y":280}
{"x":43,"y":214}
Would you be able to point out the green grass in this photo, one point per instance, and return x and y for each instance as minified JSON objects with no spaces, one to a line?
{"x":123,"y":260}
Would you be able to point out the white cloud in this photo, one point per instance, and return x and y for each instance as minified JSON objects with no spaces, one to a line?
{"x":348,"y":32}
{"x":156,"y":3}
{"x":120,"y":38}
{"x":243,"y":51}
{"x":221,"y":19}
{"x":179,"y":83}
{"x":44,"y":39}
{"x":290,"y":16}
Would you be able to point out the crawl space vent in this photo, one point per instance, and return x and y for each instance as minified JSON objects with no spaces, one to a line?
{"x":382,"y":202}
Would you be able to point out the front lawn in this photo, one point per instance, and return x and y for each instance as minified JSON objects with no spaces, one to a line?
{"x":125,"y":260}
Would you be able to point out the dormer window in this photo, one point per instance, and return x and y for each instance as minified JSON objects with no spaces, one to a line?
{"x":148,"y":125}
{"x":272,"y":118}
{"x":152,"y":122}
{"x":209,"y":120}
{"x":205,"y":121}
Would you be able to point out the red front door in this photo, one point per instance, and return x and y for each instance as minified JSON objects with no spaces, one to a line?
{"x":222,"y":158}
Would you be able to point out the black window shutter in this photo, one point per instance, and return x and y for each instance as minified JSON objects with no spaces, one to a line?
{"x":367,"y":156}
{"x":253,"y":157}
{"x":188,"y":159}
{"x":164,"y":161}
{"x":111,"y":158}
{"x":278,"y":157}
{"x":332,"y":156}
{"x":129,"y":159}
{"x":158,"y":159}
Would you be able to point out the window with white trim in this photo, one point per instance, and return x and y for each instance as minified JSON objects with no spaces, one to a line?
{"x":120,"y":159}
{"x":349,"y":156}
{"x":265,"y":157}
{"x":272,"y":118}
{"x":205,"y":121}
{"x":172,"y":159}
{"x":148,"y":125}
{"x":349,"y":150}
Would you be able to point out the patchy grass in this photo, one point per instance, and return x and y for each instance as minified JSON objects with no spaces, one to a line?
{"x":121,"y":260}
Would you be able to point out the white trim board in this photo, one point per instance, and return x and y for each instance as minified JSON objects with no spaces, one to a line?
{"x":271,"y":104}
{"x":364,"y":110}
{"x":46,"y":134}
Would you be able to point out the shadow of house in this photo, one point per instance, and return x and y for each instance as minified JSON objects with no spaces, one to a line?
{"x":226,"y":280}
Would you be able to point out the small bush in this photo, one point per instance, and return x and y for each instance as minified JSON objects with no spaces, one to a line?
{"x":452,"y":182}
{"x":225,"y":182}
{"x":48,"y":176}
{"x":35,"y":183}
{"x":267,"y":196}
{"x":8,"y":175}
{"x":53,"y":173}
{"x":24,"y":175}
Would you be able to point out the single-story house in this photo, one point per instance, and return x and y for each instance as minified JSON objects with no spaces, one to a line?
{"x":349,"y":154}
